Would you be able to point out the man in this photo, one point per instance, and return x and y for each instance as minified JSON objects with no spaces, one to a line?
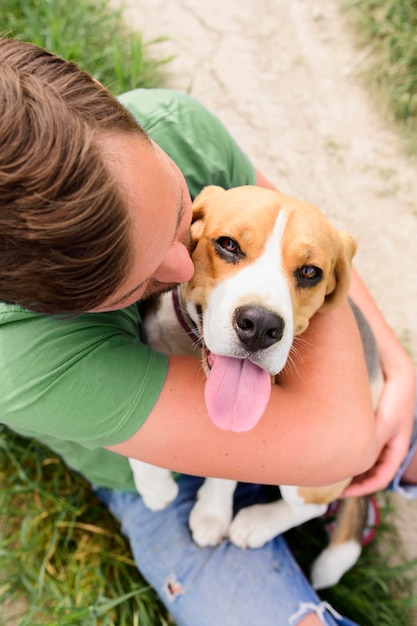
{"x":94,"y":217}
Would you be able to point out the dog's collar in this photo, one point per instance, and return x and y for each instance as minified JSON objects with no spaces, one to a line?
{"x":182,"y":315}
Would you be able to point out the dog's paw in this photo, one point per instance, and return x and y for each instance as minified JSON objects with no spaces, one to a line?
{"x":333,"y":562}
{"x":208,"y":528}
{"x":252,"y":527}
{"x":161,"y":496}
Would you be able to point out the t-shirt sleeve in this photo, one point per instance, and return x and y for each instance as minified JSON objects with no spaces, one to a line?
{"x":192,"y":136}
{"x":88,"y":379}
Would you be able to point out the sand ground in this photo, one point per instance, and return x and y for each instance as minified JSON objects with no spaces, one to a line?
{"x":284,"y":78}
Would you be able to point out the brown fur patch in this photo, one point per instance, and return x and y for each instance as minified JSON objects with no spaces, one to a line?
{"x":351,"y":520}
{"x":323,"y":495}
{"x":310,"y":239}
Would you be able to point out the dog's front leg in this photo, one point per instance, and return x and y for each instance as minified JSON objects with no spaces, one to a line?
{"x":155,"y":484}
{"x":255,"y":525}
{"x":212,"y":513}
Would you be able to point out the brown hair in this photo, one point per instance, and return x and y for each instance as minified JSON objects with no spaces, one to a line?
{"x":65,"y":237}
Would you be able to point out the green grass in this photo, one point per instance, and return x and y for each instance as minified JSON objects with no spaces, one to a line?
{"x":388,"y":29}
{"x":61,"y":553}
{"x":60,"y":549}
{"x":91,"y":34}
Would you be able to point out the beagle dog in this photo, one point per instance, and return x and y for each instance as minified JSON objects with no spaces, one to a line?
{"x":265,"y":263}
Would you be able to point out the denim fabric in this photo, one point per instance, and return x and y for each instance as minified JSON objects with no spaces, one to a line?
{"x":409,"y":491}
{"x":211,"y":586}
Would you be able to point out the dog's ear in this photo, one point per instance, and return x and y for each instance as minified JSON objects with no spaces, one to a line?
{"x":199,"y":211}
{"x":338,"y":284}
{"x":199,"y":202}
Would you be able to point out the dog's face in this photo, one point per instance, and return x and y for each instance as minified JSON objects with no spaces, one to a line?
{"x":264,"y":264}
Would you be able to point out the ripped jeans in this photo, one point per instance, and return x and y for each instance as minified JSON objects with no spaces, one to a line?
{"x":222,"y":585}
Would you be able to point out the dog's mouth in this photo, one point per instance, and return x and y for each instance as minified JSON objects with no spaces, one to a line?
{"x":236,"y":393}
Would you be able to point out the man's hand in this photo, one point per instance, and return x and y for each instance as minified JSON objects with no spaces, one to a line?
{"x":395,"y":417}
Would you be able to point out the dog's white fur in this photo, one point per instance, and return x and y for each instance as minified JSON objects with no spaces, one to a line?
{"x":253,"y":247}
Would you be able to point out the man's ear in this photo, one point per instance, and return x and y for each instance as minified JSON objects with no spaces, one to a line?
{"x":199,"y":211}
{"x":339,"y":280}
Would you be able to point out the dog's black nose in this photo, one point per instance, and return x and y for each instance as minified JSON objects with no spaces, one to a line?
{"x":257,"y":328}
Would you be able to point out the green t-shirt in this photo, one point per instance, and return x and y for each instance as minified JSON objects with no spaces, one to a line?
{"x":78,"y":384}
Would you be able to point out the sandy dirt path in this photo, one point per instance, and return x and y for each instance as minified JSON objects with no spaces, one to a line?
{"x":284,"y":78}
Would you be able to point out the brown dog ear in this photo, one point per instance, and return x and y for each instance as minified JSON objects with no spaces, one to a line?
{"x":199,"y":211}
{"x":200,"y":200}
{"x":338,"y":284}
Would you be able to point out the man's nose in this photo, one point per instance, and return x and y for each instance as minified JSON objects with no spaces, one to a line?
{"x":177,"y":267}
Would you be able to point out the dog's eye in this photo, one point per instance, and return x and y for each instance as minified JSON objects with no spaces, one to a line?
{"x":309,"y":271}
{"x":228,"y":244}
{"x":308,"y":275}
{"x":228,"y":249}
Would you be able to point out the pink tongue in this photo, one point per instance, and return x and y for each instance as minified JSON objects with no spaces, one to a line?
{"x":236,"y":393}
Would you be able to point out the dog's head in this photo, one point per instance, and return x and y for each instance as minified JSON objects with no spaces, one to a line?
{"x":265,"y":263}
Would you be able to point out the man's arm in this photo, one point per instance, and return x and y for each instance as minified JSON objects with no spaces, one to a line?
{"x":262,"y":181}
{"x":318,"y":427}
{"x":395,"y":412}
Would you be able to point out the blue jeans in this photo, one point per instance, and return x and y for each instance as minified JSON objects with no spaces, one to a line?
{"x":409,"y":491}
{"x":212,"y":586}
